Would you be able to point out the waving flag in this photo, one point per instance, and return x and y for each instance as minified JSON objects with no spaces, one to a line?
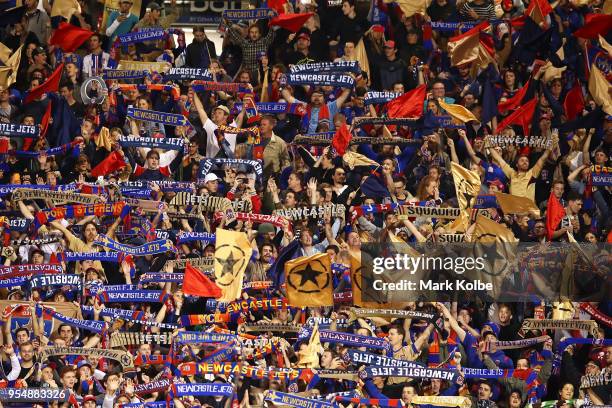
{"x":409,"y":105}
{"x":521,"y":116}
{"x":538,"y":10}
{"x":291,"y":22}
{"x":514,"y":101}
{"x":599,"y":88}
{"x":309,"y":281}
{"x":69,"y":37}
{"x":554,"y":214}
{"x":475,"y":45}
{"x":65,"y":8}
{"x":50,"y":85}
{"x":574,"y":102}
{"x":341,"y":139}
{"x":232,"y":254}
{"x":595,"y":25}
{"x":196,"y":283}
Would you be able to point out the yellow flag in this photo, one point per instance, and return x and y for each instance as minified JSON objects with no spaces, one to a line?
{"x":550,"y":72}
{"x":309,"y":281}
{"x":8,"y":74}
{"x":65,"y":8}
{"x":15,"y":59}
{"x":599,"y":88}
{"x":352,"y":160}
{"x":309,"y":358}
{"x":5,"y":77}
{"x":232,"y":254}
{"x":605,"y":45}
{"x":458,"y":112}
{"x":467,"y":47}
{"x":103,"y":139}
{"x":362,"y":57}
{"x":487,"y":230}
{"x":411,"y":7}
{"x":467,"y":184}
{"x":511,"y":204}
{"x":5,"y":53}
{"x":459,"y":224}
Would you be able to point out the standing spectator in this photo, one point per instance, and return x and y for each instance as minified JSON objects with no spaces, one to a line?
{"x":390,"y":69}
{"x":97,"y":60}
{"x":351,"y":27}
{"x":37,"y":21}
{"x":252,"y":46}
{"x":121,"y":21}
{"x":201,"y":51}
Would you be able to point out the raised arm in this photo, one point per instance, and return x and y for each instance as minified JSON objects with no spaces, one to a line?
{"x":200,"y":108}
{"x":537,"y":168}
{"x":343,"y":97}
{"x":453,"y":152}
{"x":423,"y":338}
{"x":287,"y":96}
{"x":586,"y":158}
{"x":468,"y":147}
{"x":453,"y":322}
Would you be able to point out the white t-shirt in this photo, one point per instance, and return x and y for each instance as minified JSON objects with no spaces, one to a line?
{"x":212,"y":146}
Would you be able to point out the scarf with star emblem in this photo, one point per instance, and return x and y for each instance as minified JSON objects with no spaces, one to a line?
{"x":232,"y":254}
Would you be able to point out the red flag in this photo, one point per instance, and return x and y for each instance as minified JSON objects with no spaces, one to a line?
{"x":4,"y":145}
{"x":278,"y":5}
{"x":594,"y":26}
{"x":50,"y":85}
{"x":291,"y":22}
{"x":409,"y":105}
{"x":554,"y":214}
{"x":341,"y":139}
{"x":518,"y":22}
{"x":574,"y":102}
{"x":69,"y":37}
{"x":538,"y":10}
{"x":515,"y":101}
{"x":196,"y":283}
{"x":113,"y":162}
{"x":522,"y":116}
{"x":44,"y":123}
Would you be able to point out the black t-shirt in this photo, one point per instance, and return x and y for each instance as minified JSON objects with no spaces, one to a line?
{"x":352,"y":29}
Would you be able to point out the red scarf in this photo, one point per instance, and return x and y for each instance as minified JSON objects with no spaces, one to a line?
{"x":323,"y":114}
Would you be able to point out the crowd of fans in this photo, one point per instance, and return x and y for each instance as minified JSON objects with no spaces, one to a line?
{"x":79,"y":148}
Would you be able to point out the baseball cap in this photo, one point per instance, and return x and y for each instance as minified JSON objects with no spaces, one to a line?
{"x":389,"y":44}
{"x":153,"y":6}
{"x":223,"y":108}
{"x":304,"y":35}
{"x":38,"y":50}
{"x":89,"y":398}
{"x":83,"y":363}
{"x":377,"y":28}
{"x":494,"y":328}
{"x":210,"y":177}
{"x":497,"y":183}
{"x":264,"y":228}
